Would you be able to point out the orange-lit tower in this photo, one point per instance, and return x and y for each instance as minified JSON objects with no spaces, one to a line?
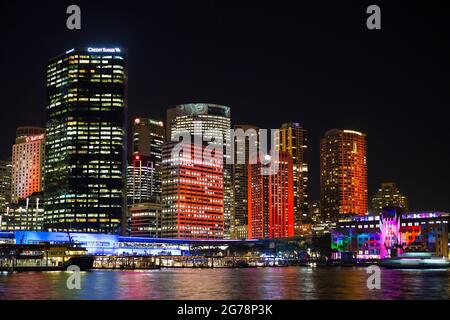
{"x":343,"y":173}
{"x":271,"y":200}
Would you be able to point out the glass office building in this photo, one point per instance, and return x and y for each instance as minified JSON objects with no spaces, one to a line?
{"x":85,"y":141}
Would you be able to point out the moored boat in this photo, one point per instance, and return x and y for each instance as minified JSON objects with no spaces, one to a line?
{"x":43,"y":257}
{"x":416,"y":260}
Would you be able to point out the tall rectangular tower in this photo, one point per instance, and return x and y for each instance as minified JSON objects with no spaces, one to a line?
{"x":192,"y":188}
{"x":5,"y":184}
{"x":294,"y":140}
{"x":245,"y":138}
{"x":85,"y":141}
{"x":209,"y":121}
{"x":343,"y":173}
{"x":27,"y":162}
{"x":144,"y":167}
{"x":271,"y":199}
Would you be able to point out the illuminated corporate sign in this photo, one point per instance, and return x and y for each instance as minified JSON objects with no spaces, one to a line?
{"x":107,"y":50}
{"x":34,"y":138}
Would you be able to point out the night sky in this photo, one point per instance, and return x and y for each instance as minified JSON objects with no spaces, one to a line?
{"x":308,"y":61}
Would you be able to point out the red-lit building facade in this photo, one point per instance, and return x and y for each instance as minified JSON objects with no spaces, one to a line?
{"x":271,"y":199}
{"x":192,"y":192}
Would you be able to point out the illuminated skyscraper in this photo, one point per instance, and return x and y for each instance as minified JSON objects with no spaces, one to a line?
{"x":210,"y":121}
{"x":271,"y":200}
{"x":85,"y":141}
{"x":343,"y":173}
{"x":5,"y":184}
{"x":27,"y":162}
{"x":388,"y":195}
{"x":243,"y":142}
{"x":293,"y":139}
{"x":192,"y":193}
{"x":148,"y":138}
{"x":142,"y":185}
{"x":144,"y":168}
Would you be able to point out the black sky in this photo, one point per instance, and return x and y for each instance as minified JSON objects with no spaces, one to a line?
{"x":309,"y":61}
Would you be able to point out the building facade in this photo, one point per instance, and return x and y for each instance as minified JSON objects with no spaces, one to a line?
{"x":143,"y":185}
{"x":245,"y":138}
{"x":343,"y":174}
{"x":5,"y":184}
{"x":293,"y":138}
{"x":388,"y":195}
{"x":192,"y":192}
{"x":271,"y":199}
{"x":27,"y":162}
{"x":391,"y":233}
{"x":85,"y":141}
{"x":26,"y":214}
{"x":148,"y":141}
{"x":211,"y":121}
{"x":146,"y":220}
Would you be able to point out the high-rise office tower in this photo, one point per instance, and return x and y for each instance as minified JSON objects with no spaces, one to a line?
{"x":192,"y":192}
{"x":271,"y":199}
{"x":85,"y":141}
{"x":210,"y":121}
{"x":388,"y":195}
{"x":292,"y":138}
{"x":5,"y":184}
{"x":243,"y":142}
{"x":142,"y":184}
{"x":343,"y":173}
{"x":144,"y":167}
{"x":27,"y":162}
{"x":148,"y":138}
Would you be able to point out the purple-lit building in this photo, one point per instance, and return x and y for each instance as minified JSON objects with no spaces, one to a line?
{"x":390,"y":234}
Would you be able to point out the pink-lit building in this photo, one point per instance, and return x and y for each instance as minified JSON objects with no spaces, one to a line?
{"x":390,"y":234}
{"x":27,"y":162}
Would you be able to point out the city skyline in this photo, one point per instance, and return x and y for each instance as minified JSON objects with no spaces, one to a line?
{"x":283,"y":69}
{"x":224,"y":155}
{"x":169,"y":117}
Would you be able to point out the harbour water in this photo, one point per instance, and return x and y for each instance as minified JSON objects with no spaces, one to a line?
{"x":249,"y":283}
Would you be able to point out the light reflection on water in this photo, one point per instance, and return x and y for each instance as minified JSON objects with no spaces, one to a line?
{"x":252,"y":283}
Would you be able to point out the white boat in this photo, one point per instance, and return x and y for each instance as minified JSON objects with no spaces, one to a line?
{"x":416,"y":260}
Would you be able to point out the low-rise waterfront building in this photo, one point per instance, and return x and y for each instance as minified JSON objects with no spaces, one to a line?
{"x":390,"y":234}
{"x":146,"y":220}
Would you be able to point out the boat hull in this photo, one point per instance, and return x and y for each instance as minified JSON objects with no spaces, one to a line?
{"x":418,"y":267}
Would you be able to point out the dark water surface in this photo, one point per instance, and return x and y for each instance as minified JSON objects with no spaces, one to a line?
{"x":260,"y":283}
